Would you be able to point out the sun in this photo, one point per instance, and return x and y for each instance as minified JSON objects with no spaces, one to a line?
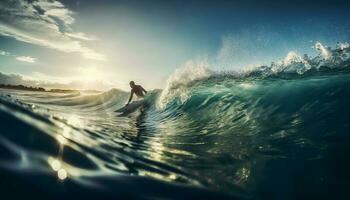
{"x":90,"y":74}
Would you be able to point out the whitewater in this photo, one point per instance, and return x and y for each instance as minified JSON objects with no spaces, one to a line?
{"x":271,"y":132}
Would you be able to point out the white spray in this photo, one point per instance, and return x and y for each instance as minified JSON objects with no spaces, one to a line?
{"x":178,"y":82}
{"x":323,"y":50}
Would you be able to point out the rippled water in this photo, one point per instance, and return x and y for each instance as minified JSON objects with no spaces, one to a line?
{"x":270,"y":134}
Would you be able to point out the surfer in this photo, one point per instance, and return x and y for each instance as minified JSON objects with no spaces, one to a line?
{"x":136,"y":89}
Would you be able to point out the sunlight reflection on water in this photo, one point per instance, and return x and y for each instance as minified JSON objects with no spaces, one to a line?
{"x":57,"y":166}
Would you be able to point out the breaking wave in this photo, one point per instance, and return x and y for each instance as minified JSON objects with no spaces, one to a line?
{"x":270,"y":132}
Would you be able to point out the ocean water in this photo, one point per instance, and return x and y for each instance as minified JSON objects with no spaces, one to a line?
{"x":272,"y":132}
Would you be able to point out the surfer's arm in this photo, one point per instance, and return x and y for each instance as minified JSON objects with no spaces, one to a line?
{"x":143,"y":89}
{"x":131,"y":95}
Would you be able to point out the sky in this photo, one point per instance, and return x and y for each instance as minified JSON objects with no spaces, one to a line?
{"x":99,"y":44}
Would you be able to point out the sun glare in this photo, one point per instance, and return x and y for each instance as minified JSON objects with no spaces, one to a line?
{"x":90,"y":74}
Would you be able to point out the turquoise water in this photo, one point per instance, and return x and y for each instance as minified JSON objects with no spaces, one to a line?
{"x":276,"y":132}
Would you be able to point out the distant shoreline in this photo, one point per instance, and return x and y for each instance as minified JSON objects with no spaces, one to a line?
{"x":41,"y":89}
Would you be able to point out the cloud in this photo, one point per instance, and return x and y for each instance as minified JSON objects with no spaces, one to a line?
{"x":45,"y":23}
{"x":26,"y":59}
{"x":20,"y":58}
{"x":4,"y":53}
{"x":14,"y":79}
{"x":81,"y":36}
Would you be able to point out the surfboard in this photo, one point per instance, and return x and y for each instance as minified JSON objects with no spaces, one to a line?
{"x":132,"y":107}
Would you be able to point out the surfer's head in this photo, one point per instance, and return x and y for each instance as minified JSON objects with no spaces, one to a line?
{"x":132,"y":84}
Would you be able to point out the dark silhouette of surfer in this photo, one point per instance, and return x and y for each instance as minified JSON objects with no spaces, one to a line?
{"x":136,"y":89}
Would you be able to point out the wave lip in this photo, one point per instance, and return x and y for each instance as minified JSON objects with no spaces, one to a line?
{"x":334,"y":60}
{"x":293,"y":66}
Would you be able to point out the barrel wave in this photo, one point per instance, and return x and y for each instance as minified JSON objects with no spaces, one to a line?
{"x":272,"y":132}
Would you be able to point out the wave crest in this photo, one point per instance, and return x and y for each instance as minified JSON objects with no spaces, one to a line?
{"x":330,"y":60}
{"x":292,"y":66}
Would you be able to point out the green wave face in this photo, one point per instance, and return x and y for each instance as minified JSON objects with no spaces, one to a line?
{"x":242,"y":125}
